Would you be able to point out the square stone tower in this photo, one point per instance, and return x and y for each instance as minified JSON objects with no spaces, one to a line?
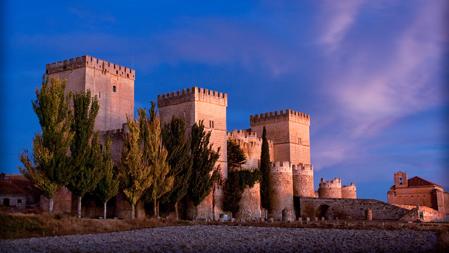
{"x":111,"y":83}
{"x":195,"y":105}
{"x":290,"y":132}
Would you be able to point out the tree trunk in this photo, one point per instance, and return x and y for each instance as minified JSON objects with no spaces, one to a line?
{"x":50,"y":205}
{"x":177,"y":210}
{"x":213,"y":202}
{"x":132,"y":211}
{"x":105,"y":206}
{"x":155,"y":209}
{"x":79,"y":206}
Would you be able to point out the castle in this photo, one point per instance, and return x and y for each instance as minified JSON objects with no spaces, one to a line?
{"x":291,"y":177}
{"x":288,"y":132}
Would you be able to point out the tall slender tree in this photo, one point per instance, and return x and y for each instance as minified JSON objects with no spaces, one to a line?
{"x":85,"y":149}
{"x":108,"y":186}
{"x":265,"y":170}
{"x":179,"y":158}
{"x":236,"y":157}
{"x":204,"y":172}
{"x":135,"y":173}
{"x":156,"y":157}
{"x":49,"y":168}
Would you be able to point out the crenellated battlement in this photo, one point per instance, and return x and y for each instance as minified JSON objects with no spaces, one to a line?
{"x":281,"y":115}
{"x":281,"y":167}
{"x":192,"y":94}
{"x":302,"y":169}
{"x":90,"y":62}
{"x":334,"y":183}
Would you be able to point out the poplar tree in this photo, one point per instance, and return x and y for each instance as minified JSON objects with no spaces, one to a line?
{"x":85,"y":148}
{"x":179,"y":158}
{"x":265,"y":170}
{"x":204,"y":157}
{"x":156,"y":156}
{"x":48,"y":167}
{"x":134,"y":172}
{"x":108,"y":186}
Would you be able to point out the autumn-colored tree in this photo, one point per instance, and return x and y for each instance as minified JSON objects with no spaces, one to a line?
{"x":156,"y":156}
{"x":179,"y":158}
{"x":85,"y":149}
{"x":108,"y":186}
{"x":48,"y":168}
{"x":135,"y":173}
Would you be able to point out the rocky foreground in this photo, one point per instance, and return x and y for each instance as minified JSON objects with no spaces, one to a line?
{"x":220,"y":238}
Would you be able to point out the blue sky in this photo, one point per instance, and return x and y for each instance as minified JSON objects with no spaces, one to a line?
{"x":370,"y":73}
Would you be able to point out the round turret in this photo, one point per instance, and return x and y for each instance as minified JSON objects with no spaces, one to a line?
{"x":280,"y":189}
{"x":303,"y":180}
{"x":349,"y":191}
{"x":330,"y":189}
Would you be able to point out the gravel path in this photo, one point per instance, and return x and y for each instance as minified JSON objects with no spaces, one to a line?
{"x":203,"y":238}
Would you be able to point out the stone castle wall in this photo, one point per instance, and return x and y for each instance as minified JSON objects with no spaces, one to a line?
{"x":111,"y":83}
{"x":303,"y":180}
{"x":330,"y":189}
{"x":349,"y":191}
{"x":280,"y":189}
{"x":251,"y":145}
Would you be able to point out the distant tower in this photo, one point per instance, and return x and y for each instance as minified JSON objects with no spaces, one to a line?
{"x":330,"y":189}
{"x":111,"y":83}
{"x":400,"y":179}
{"x":303,"y":181}
{"x":290,"y":132}
{"x":349,"y":191}
{"x":195,"y":105}
{"x":280,"y":189}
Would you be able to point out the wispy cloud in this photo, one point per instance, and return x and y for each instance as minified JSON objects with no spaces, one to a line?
{"x":338,"y":17}
{"x":369,"y":97}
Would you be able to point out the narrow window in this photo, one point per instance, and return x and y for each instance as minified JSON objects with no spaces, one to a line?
{"x":114,"y":88}
{"x":400,"y":180}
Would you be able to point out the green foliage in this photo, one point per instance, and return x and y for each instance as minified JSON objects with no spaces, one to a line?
{"x":135,"y":173}
{"x":48,"y":168}
{"x":236,"y":157}
{"x":85,"y":149}
{"x":179,"y":158}
{"x":156,"y":156}
{"x":235,"y":184}
{"x":204,"y":157}
{"x":265,"y":170}
{"x":108,"y":186}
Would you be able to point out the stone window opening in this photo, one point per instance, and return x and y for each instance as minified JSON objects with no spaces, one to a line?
{"x":400,"y":181}
{"x":211,"y":124}
{"x":19,"y":201}
{"x":114,"y":88}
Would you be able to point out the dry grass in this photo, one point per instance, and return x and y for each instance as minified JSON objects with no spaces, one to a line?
{"x":35,"y":225}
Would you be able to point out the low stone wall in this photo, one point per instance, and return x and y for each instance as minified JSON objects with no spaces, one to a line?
{"x":349,"y":209}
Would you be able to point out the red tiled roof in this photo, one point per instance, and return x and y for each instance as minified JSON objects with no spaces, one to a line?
{"x":10,"y":188}
{"x":417,"y":181}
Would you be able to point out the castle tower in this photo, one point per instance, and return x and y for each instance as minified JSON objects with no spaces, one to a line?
{"x":330,"y":189}
{"x":280,"y":189}
{"x":195,"y":105}
{"x":303,"y":180}
{"x":290,"y":132}
{"x":111,"y":83}
{"x":251,"y":146}
{"x":400,"y":179}
{"x":349,"y":191}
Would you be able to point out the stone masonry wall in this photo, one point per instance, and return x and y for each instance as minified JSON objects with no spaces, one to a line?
{"x":303,"y":181}
{"x":111,"y":83}
{"x":330,"y":189}
{"x":280,"y":189}
{"x":349,"y":191}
